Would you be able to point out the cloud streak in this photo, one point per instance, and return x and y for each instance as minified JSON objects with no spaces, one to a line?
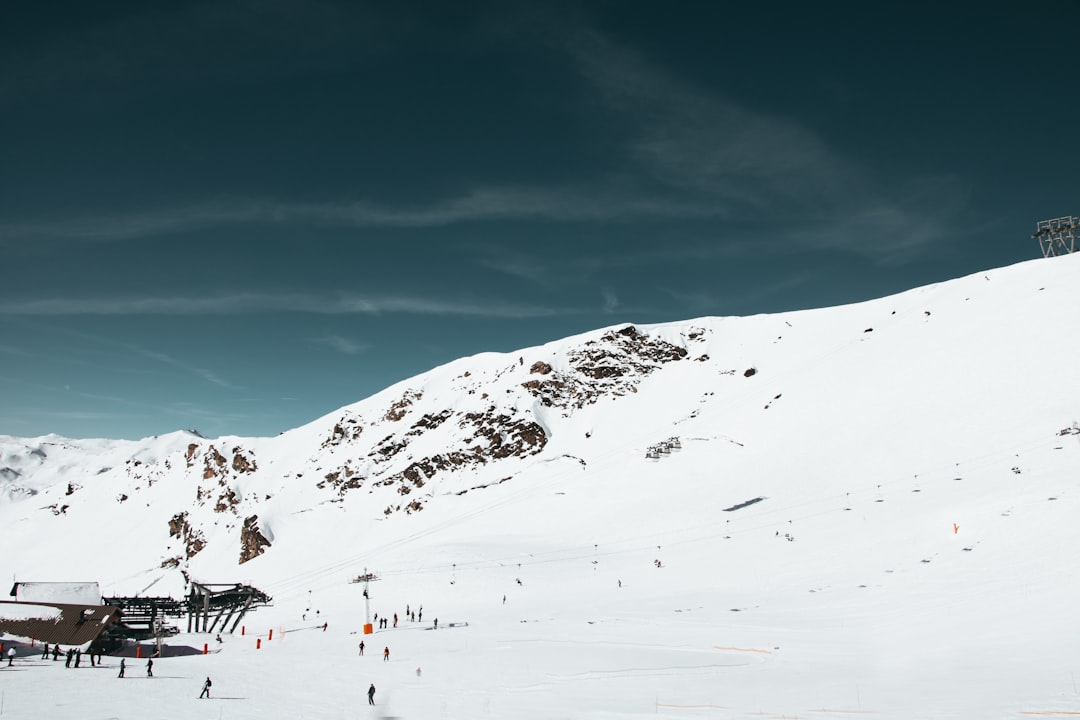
{"x":252,"y":303}
{"x":344,"y":345}
{"x":691,"y":155}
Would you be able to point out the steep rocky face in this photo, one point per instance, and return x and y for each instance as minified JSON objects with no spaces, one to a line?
{"x":252,"y":541}
{"x":194,"y":540}
{"x":610,"y":366}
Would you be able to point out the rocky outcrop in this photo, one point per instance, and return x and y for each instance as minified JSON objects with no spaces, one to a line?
{"x":400,"y":408}
{"x":610,"y":366}
{"x":252,"y":541}
{"x":346,"y":430}
{"x":194,"y":541}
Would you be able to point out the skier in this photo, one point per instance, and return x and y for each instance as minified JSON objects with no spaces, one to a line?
{"x":69,"y":657}
{"x":150,"y":667}
{"x":371,"y":694}
{"x":205,"y":689}
{"x":78,"y":656}
{"x":436,"y":623}
{"x":123,"y":666}
{"x":395,"y":619}
{"x":361,"y":648}
{"x":386,"y":653}
{"x":10,"y":656}
{"x":45,"y":652}
{"x":55,"y":652}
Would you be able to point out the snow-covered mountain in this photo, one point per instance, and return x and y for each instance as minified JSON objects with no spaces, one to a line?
{"x":897,"y":478}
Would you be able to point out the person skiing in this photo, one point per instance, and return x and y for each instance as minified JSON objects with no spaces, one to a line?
{"x":55,"y":652}
{"x":395,"y":619}
{"x":371,"y":694}
{"x":206,"y":688}
{"x":78,"y":656}
{"x":436,"y":623}
{"x":386,"y":653}
{"x":10,"y":656}
{"x":45,"y":652}
{"x":361,"y":648}
{"x":150,"y":667}
{"x":123,"y":666}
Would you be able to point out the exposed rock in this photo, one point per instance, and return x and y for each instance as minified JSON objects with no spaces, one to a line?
{"x":243,"y":463}
{"x":342,"y":480}
{"x":399,"y":409}
{"x":610,"y":366}
{"x":227,"y":501}
{"x":348,"y":429}
{"x":213,"y":463}
{"x":194,"y":540}
{"x":252,"y":541}
{"x":540,"y":367}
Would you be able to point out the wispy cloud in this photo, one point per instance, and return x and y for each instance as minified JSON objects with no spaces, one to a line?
{"x":245,"y":304}
{"x":345,"y":345}
{"x":749,"y":165}
{"x":690,"y":153}
{"x":517,"y":266}
{"x":584,"y":204}
{"x":611,"y":302}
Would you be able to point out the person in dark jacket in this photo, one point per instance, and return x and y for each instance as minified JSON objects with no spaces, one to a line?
{"x":206,"y":688}
{"x":371,"y":694}
{"x":123,"y":666}
{"x":150,"y":667}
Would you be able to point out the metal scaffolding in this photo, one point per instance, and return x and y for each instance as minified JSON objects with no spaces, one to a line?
{"x":1057,"y":236}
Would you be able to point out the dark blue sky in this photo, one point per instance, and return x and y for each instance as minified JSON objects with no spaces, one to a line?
{"x":238,"y":216}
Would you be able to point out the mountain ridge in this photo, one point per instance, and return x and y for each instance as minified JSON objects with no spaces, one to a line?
{"x":590,"y":404}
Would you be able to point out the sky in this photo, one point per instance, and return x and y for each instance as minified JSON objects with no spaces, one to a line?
{"x":235,"y":217}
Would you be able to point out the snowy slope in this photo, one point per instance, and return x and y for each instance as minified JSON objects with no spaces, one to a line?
{"x":912,"y":463}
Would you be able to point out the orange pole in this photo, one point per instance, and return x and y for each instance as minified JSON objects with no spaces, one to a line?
{"x":205,"y":648}
{"x":271,"y":636}
{"x":243,"y":629}
{"x":138,"y":651}
{"x":258,"y":643}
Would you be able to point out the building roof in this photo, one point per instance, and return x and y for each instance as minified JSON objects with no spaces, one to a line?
{"x":72,"y":593}
{"x":56,"y":622}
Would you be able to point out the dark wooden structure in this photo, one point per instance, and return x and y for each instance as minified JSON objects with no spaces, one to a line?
{"x":58,"y":623}
{"x":223,"y":602}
